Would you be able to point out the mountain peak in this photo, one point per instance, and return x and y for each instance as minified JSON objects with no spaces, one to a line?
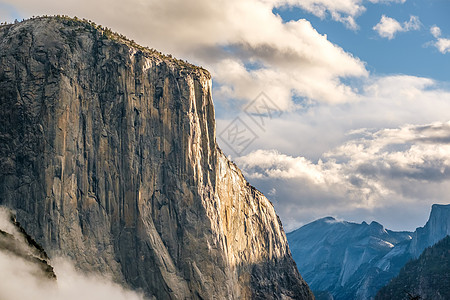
{"x":375,"y":224}
{"x":331,"y":253}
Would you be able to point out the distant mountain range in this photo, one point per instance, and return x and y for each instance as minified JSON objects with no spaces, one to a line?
{"x":427,"y":277}
{"x":344,"y":260}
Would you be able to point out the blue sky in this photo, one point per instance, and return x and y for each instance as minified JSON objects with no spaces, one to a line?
{"x":408,"y":53}
{"x":359,"y":92}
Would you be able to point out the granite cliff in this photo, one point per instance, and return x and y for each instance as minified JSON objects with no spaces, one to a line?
{"x":436,"y":228}
{"x":108,"y":155}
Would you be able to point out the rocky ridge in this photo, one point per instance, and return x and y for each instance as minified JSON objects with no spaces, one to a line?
{"x":340,"y":257}
{"x":108,"y":155}
{"x":353,"y":261}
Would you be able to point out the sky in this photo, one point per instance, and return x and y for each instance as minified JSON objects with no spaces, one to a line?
{"x":330,"y":107}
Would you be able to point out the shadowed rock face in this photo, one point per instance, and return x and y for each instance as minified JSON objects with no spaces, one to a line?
{"x":437,"y":227}
{"x":353,"y":261}
{"x":108,"y":155}
{"x":348,"y":260}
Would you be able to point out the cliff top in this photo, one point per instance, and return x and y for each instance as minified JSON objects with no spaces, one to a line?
{"x":106,"y":33}
{"x":440,"y":207}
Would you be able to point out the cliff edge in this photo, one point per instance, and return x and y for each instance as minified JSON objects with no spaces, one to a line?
{"x":108,"y":155}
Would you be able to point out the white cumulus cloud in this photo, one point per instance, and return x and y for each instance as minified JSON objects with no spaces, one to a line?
{"x":388,"y":27}
{"x":442,"y":44}
{"x":374,"y":170}
{"x":344,"y":11}
{"x":435,"y":31}
{"x":387,"y":1}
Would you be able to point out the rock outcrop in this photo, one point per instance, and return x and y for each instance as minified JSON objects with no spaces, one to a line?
{"x":108,"y":155}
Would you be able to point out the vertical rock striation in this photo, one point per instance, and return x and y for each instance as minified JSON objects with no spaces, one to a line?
{"x":437,"y":227}
{"x":108,"y":155}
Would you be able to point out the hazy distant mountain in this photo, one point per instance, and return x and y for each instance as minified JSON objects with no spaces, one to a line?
{"x":427,"y":277}
{"x":353,"y":261}
{"x":338,"y":256}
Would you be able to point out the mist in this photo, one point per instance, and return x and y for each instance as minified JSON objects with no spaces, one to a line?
{"x":22,"y":279}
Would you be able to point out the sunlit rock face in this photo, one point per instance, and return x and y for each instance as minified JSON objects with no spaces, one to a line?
{"x":109,"y":156}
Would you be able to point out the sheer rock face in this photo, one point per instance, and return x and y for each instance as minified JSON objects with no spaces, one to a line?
{"x":437,"y":227}
{"x":108,"y":155}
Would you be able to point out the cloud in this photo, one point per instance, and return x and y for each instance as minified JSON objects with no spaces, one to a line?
{"x":388,"y":1}
{"x":287,"y":58}
{"x":412,"y":24}
{"x":22,"y":279}
{"x":344,"y":11}
{"x":435,"y":31}
{"x":386,"y":101}
{"x":442,"y":44}
{"x":371,"y":172}
{"x":388,"y":27}
{"x":18,"y":282}
{"x":377,"y":167}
